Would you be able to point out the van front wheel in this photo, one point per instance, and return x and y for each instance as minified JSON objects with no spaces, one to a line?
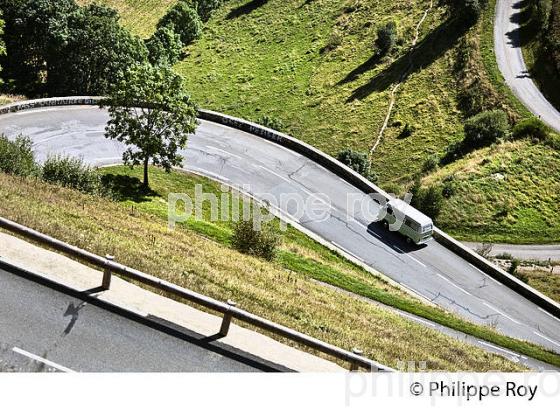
{"x":386,"y":225}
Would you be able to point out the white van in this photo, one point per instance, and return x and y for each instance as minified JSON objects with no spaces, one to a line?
{"x":415,"y":226}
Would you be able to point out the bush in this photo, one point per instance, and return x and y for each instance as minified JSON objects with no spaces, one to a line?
{"x":553,"y":141}
{"x":530,"y":127}
{"x":164,"y":47}
{"x":407,"y":131}
{"x":271,"y":122}
{"x":358,"y":161}
{"x":71,"y":173}
{"x":468,"y":11}
{"x":430,"y":164}
{"x":472,"y":9}
{"x":448,"y":187}
{"x":512,"y":270}
{"x":261,"y":242}
{"x":427,"y":200}
{"x":16,"y":157}
{"x":485,"y":128}
{"x":386,"y":37}
{"x":184,"y":20}
{"x":205,"y":8}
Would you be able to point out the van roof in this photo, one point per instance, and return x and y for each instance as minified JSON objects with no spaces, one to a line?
{"x":411,"y":212}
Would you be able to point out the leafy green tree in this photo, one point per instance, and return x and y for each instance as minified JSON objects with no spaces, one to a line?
{"x":34,"y":31}
{"x":164,"y":47}
{"x":184,"y":20}
{"x":152,"y":114}
{"x":386,"y":37}
{"x":97,"y":51}
{"x":485,"y":128}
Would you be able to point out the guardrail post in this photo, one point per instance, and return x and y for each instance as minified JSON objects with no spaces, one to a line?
{"x":106,"y":284}
{"x":355,"y":366}
{"x":224,"y":329}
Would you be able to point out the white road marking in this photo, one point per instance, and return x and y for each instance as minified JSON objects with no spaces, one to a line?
{"x":206,"y":173}
{"x":417,"y":319}
{"x":410,"y":256}
{"x":229,"y":154}
{"x":498,"y":348}
{"x":347,"y":251}
{"x":546,"y":338}
{"x":41,"y":360}
{"x":501,"y":313}
{"x":276,"y":174}
{"x":453,"y":284}
{"x":549,"y":314}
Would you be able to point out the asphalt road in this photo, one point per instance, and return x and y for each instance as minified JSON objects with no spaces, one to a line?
{"x":238,"y":158}
{"x":42,"y":329}
{"x":524,"y":252}
{"x":510,"y":61}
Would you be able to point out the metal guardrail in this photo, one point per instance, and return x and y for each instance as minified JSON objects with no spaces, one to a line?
{"x":229,"y":309}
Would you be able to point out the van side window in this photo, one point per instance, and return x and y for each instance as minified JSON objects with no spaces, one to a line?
{"x":412,"y":224}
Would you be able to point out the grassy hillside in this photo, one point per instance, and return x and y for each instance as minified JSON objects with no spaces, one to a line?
{"x":283,"y":291}
{"x":313,"y":66}
{"x":522,"y":182}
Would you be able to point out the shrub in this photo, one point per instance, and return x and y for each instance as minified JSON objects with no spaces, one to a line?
{"x":164,"y":47}
{"x":71,"y":173}
{"x":448,"y":187}
{"x":530,"y":127}
{"x":427,"y":200}
{"x":468,"y":11}
{"x":16,"y":157}
{"x":205,"y":8}
{"x":386,"y":37}
{"x":512,"y":270}
{"x":407,"y":131}
{"x":430,"y":163}
{"x":472,"y":9}
{"x":485,"y":128}
{"x":184,"y":20}
{"x":271,"y":122}
{"x":553,"y":141}
{"x":262,"y":242}
{"x":358,"y":161}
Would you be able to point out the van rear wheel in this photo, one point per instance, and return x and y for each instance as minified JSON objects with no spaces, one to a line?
{"x":408,"y":240}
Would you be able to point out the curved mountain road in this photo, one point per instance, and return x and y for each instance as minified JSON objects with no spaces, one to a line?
{"x":268,"y":170}
{"x":507,"y":46}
